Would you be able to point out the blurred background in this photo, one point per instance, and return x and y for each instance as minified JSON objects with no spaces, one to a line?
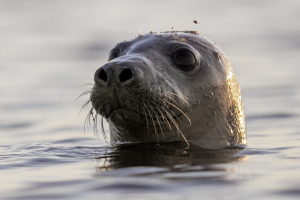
{"x":49,"y":50}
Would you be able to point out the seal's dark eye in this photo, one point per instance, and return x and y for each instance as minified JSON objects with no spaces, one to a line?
{"x":184,"y":59}
{"x":112,"y":55}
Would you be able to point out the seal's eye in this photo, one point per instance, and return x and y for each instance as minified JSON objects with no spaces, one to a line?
{"x":184,"y":59}
{"x":112,"y":55}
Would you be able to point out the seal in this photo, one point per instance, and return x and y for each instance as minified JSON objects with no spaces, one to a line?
{"x":169,"y":86}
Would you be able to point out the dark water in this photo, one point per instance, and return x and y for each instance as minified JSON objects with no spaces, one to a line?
{"x":50,"y":49}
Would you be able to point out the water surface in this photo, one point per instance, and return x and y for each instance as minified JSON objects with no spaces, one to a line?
{"x":50,"y":49}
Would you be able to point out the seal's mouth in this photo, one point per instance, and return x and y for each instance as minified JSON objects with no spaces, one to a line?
{"x":139,"y":115}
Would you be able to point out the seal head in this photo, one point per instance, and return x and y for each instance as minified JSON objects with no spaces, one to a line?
{"x":170,"y":87}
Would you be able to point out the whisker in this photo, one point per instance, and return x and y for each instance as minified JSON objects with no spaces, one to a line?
{"x":180,"y":111}
{"x":164,"y":118}
{"x":84,"y":93}
{"x":168,"y":114}
{"x":172,"y":99}
{"x":95,"y":125}
{"x":157,"y":120}
{"x":103,"y":131}
{"x":176,"y":116}
{"x":87,"y":84}
{"x":176,"y":125}
{"x":181,"y":98}
{"x":152,"y":121}
{"x":146,"y":116}
{"x":84,"y":105}
{"x":88,"y":119}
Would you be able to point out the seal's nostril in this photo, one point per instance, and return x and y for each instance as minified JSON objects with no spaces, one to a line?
{"x":125,"y":75}
{"x":102,"y":75}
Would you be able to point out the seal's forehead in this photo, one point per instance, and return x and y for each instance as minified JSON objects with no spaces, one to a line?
{"x":164,"y":38}
{"x":145,"y":39}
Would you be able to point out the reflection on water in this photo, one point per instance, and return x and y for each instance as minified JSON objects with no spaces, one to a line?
{"x":166,"y":155}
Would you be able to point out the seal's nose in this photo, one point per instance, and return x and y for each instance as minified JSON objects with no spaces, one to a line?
{"x":112,"y":74}
{"x":102,"y":75}
{"x":125,"y":75}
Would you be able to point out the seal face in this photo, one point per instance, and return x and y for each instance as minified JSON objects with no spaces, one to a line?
{"x":170,"y":87}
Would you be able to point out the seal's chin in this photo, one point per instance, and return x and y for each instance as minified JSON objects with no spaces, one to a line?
{"x":127,"y":121}
{"x":122,"y":114}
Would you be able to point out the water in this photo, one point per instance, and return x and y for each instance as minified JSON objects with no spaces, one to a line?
{"x":49,"y":49}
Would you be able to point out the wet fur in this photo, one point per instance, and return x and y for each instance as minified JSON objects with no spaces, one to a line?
{"x":161,"y":108}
